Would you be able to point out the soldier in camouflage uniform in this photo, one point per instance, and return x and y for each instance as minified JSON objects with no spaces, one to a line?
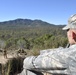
{"x":59,"y":61}
{"x":5,"y":53}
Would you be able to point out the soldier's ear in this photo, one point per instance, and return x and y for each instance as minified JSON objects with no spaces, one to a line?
{"x":73,"y":35}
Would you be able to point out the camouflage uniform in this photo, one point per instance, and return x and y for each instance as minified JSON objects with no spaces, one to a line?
{"x":54,"y":61}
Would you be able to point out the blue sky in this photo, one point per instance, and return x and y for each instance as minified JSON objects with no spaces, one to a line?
{"x":52,"y":11}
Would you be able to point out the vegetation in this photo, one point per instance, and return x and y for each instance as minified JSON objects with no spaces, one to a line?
{"x":34,"y":34}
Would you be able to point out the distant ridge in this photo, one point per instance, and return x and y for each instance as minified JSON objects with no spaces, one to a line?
{"x":28,"y":22}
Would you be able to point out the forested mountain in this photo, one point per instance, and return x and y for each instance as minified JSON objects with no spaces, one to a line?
{"x":27,"y":22}
{"x":34,"y":25}
{"x":37,"y":34}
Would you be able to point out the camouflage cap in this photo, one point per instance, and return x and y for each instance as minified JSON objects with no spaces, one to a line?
{"x":71,"y":23}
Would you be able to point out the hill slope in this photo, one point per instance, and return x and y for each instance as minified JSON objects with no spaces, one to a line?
{"x":27,"y":22}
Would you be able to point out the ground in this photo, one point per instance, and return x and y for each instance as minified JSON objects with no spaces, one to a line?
{"x":9,"y":56}
{"x":4,"y":60}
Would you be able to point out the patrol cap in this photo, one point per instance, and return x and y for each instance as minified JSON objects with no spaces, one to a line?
{"x":71,"y":23}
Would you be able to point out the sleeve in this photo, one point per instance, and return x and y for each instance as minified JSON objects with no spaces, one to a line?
{"x":50,"y":61}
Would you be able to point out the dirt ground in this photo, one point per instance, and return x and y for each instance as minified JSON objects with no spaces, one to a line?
{"x":4,"y":60}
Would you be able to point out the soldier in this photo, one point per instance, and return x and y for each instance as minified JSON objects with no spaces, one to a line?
{"x":5,"y":53}
{"x":59,"y":61}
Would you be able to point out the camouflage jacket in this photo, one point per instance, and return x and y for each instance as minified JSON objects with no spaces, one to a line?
{"x":54,"y":61}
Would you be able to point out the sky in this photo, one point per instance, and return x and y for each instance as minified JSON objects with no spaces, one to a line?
{"x":51,"y":11}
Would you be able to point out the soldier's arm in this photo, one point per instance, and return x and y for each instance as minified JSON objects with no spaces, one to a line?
{"x":50,"y":61}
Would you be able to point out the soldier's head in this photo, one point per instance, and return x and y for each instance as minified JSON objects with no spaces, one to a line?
{"x":71,"y":29}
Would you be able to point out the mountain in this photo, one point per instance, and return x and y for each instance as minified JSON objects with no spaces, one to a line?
{"x":29,"y":28}
{"x":28,"y":22}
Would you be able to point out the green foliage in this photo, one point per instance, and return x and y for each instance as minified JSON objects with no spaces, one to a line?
{"x":2,"y":44}
{"x":31,"y":34}
{"x":23,"y":43}
{"x":50,"y":41}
